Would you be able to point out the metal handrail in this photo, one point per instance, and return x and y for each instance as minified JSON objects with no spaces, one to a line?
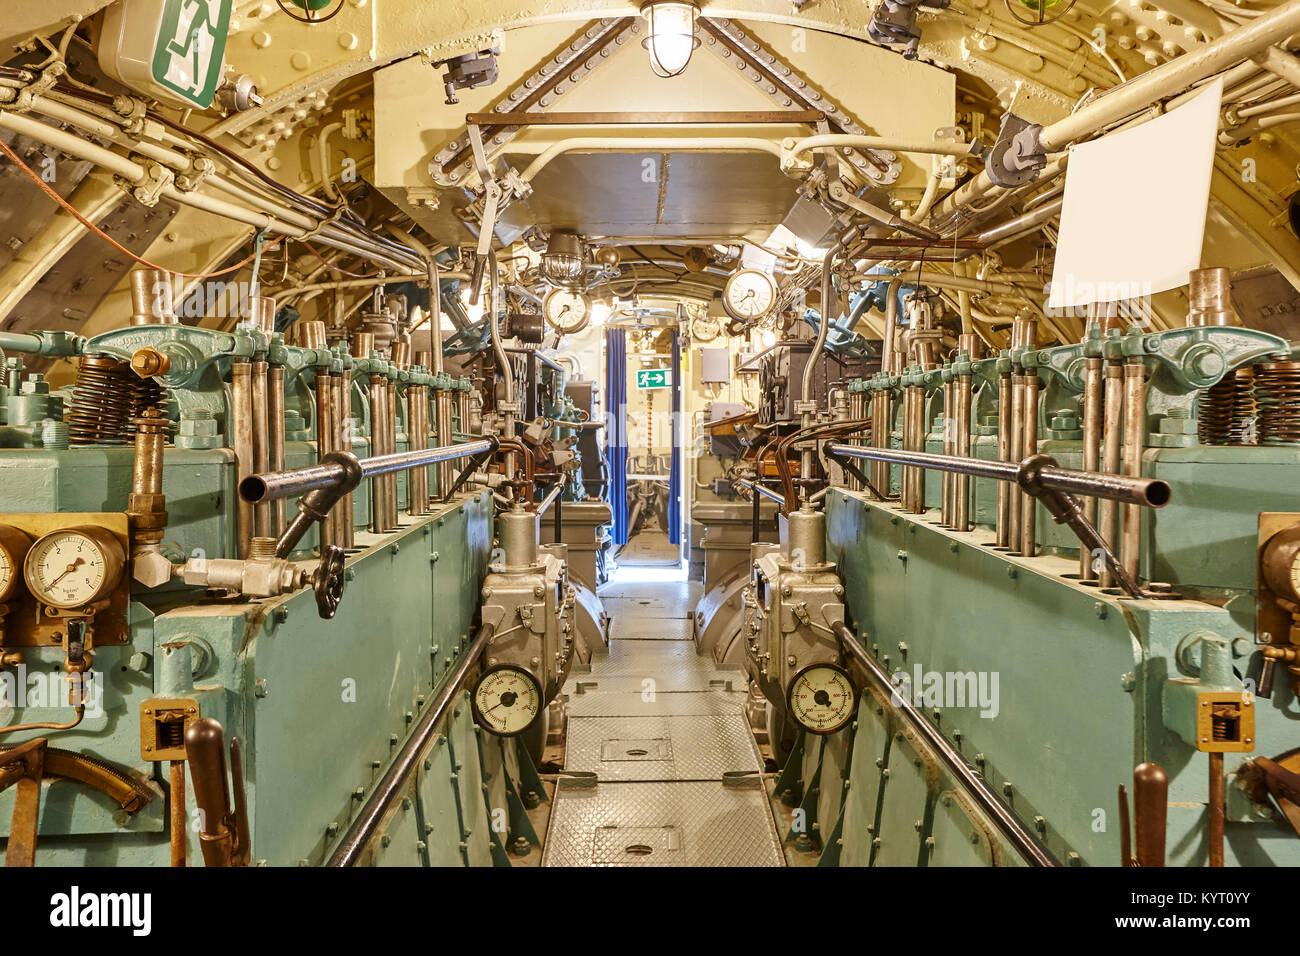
{"x":378,"y":808}
{"x":1021,"y":838}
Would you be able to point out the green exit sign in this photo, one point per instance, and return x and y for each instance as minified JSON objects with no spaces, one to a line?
{"x":189,"y":48}
{"x":654,"y":378}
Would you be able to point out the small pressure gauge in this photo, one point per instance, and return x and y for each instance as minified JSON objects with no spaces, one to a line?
{"x":566,"y":311}
{"x":13,"y":549}
{"x":74,"y":567}
{"x":506,"y":700}
{"x":705,"y":328}
{"x":822,"y":698}
{"x":750,"y":295}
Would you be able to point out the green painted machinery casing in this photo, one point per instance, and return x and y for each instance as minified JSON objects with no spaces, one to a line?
{"x":1081,"y":678}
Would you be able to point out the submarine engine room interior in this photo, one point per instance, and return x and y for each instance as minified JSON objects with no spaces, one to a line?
{"x":650,"y":433}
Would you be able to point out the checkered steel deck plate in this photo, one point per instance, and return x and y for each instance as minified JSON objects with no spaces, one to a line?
{"x":697,"y":747}
{"x":636,"y":627}
{"x":661,"y":824}
{"x":642,"y":654}
{"x":645,"y":607}
{"x":691,"y":704}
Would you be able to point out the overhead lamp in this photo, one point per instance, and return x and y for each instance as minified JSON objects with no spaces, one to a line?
{"x":564,"y":259}
{"x":672,"y":37}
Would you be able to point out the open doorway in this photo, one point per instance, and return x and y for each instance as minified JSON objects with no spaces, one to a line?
{"x":648,"y":486}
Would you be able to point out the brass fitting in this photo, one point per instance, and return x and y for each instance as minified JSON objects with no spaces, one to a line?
{"x":148,"y":362}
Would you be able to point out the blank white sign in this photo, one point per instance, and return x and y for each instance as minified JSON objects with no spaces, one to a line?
{"x":1135,"y":203}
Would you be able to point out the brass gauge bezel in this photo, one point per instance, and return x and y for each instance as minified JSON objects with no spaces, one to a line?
{"x":487,"y":675}
{"x":853,"y":695}
{"x":582,"y":322}
{"x":15,"y":543}
{"x":109,"y":547}
{"x":757,"y":316}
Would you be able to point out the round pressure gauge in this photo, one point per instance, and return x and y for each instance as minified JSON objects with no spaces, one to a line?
{"x":74,"y":567}
{"x":822,"y":698}
{"x":566,"y":311}
{"x":506,"y":700}
{"x":705,"y":328}
{"x":13,"y":549}
{"x":750,"y":295}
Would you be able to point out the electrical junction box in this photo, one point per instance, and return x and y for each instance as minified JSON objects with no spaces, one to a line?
{"x":172,"y":50}
{"x":715,"y":365}
{"x":723,"y":441}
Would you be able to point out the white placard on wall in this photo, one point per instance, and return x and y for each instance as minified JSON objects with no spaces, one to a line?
{"x":1135,"y":202}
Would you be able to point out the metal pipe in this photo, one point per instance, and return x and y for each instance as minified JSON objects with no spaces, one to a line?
{"x":755,"y":486}
{"x":241,"y":441}
{"x":1215,"y":811}
{"x":828,"y":305}
{"x":373,"y":814}
{"x":299,"y":481}
{"x":1003,"y":521}
{"x":347,"y":423}
{"x":1029,"y":446}
{"x":1092,"y":404}
{"x":1146,"y":492}
{"x":275,"y":429}
{"x":326,"y":431}
{"x":1134,"y":443}
{"x":1112,"y":433}
{"x":390,"y":410}
{"x":261,"y":445}
{"x":379,"y":444}
{"x":1017,"y":432}
{"x":1019,"y":836}
{"x":946,"y":503}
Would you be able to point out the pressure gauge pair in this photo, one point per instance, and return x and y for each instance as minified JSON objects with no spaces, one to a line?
{"x":822,"y":698}
{"x":67,"y":569}
{"x":506,"y":700}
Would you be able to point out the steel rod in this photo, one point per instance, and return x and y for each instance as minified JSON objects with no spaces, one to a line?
{"x":373,"y":814}
{"x":1008,"y":824}
{"x":299,"y":481}
{"x":1147,"y":492}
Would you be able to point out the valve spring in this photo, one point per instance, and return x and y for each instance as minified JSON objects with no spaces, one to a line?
{"x":1214,"y":411}
{"x":102,"y":402}
{"x":1277,"y":395}
{"x":145,"y":393}
{"x":1225,"y":412}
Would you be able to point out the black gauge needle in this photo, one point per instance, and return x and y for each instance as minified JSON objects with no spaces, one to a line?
{"x":70,"y":568}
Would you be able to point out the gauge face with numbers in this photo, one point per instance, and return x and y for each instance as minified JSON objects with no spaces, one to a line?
{"x":13,"y":549}
{"x":565,"y":310}
{"x":506,"y":700}
{"x":74,"y":567}
{"x":822,"y":698}
{"x":750,"y":295}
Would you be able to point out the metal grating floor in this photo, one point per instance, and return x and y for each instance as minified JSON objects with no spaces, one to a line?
{"x":653,"y":730}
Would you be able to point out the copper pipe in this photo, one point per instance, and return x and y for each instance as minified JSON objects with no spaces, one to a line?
{"x":1029,"y":446}
{"x":151,"y":298}
{"x":949,"y":441}
{"x":1134,"y":442}
{"x":1215,"y":810}
{"x":348,"y":422}
{"x":961,"y":488}
{"x":1015,"y":497}
{"x":1092,"y":403}
{"x":275,"y":429}
{"x":146,"y":508}
{"x":326,"y":430}
{"x":1150,"y":810}
{"x":241,"y":440}
{"x":262,"y":526}
{"x":176,"y":823}
{"x":341,"y":440}
{"x":390,"y":407}
{"x":883,"y":414}
{"x":415,"y":505}
{"x":379,"y":443}
{"x":1112,"y":431}
{"x":1003,"y":523}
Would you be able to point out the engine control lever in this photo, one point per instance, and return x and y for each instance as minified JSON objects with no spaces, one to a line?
{"x":223,"y":834}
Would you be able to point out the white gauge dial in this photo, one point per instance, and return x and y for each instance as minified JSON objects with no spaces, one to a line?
{"x":705,"y":328}
{"x":506,"y":701}
{"x":74,"y":567}
{"x":750,"y":295}
{"x":822,"y":698}
{"x":566,"y":310}
{"x":13,"y":549}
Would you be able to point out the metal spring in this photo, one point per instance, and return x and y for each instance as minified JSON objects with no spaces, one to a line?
{"x":1225,"y":412}
{"x":103,"y":400}
{"x":1277,"y":397}
{"x":1214,"y":412}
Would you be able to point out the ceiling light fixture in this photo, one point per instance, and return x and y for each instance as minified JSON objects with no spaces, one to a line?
{"x":672,"y":37}
{"x":564,"y":260}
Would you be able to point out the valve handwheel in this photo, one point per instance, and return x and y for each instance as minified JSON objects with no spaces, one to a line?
{"x":327,"y":582}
